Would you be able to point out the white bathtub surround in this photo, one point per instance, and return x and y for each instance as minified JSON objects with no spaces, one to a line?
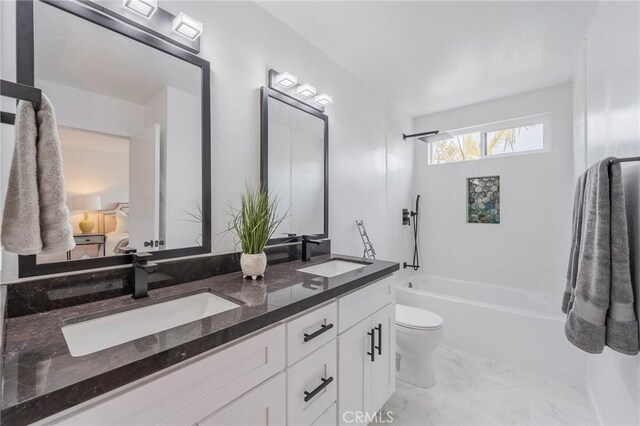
{"x":528,"y":250}
{"x":517,"y":327}
{"x":473,"y":390}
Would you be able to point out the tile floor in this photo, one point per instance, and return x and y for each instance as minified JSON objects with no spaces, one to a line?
{"x":472,"y":390}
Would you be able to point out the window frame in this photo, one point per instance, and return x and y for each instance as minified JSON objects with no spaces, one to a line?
{"x":483,"y":129}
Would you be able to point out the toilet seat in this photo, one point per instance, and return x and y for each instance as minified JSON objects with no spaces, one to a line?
{"x":417,"y":318}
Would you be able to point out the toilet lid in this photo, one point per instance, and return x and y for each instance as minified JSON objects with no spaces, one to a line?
{"x":411,"y":317}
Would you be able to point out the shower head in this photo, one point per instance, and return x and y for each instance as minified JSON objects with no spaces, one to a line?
{"x":436,"y":137}
{"x":429,"y":137}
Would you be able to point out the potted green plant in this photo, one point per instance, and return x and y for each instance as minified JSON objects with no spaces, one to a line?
{"x":254,"y":223}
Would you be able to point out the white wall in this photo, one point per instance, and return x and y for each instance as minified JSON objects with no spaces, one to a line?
{"x":607,"y":123}
{"x":370,"y":165}
{"x":529,"y":248}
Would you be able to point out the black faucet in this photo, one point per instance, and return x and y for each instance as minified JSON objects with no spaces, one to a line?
{"x":142,"y":268}
{"x":306,"y":250}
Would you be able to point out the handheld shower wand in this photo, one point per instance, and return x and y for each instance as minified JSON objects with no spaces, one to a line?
{"x":415,"y":215}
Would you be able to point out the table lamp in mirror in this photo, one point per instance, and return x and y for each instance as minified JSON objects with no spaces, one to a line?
{"x":86,"y":203}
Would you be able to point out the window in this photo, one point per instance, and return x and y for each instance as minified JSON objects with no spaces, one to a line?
{"x":462,"y":147}
{"x":515,"y":139}
{"x":491,"y":140}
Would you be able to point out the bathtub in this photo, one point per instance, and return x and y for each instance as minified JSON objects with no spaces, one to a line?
{"x":521,"y":328}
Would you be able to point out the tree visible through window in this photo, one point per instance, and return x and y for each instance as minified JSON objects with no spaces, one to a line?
{"x":517,"y":139}
{"x":462,"y":147}
{"x":488,"y":141}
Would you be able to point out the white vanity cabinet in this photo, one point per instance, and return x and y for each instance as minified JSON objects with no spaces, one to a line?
{"x":366,"y":354}
{"x":306,"y":370}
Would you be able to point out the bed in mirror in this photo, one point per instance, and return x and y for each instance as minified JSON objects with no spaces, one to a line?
{"x":132,"y":111}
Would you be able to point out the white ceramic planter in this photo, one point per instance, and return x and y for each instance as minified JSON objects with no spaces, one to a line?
{"x":253,"y":265}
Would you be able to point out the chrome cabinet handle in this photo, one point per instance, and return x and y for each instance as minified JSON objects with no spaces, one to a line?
{"x":324,"y":384}
{"x":323,"y":328}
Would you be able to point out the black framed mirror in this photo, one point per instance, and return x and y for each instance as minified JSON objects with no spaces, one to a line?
{"x":294,"y":164}
{"x":132,"y":110}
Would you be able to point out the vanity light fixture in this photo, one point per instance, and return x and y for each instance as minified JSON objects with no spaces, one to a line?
{"x":306,"y":90}
{"x":285,"y":82}
{"x":286,"y":79}
{"x":145,"y":8}
{"x":323,"y":99}
{"x":186,"y":26}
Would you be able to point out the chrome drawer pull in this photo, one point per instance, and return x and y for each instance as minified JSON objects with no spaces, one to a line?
{"x":324,"y":384}
{"x":323,"y":328}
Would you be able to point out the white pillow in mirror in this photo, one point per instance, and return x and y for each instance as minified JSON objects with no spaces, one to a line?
{"x":122,"y":222}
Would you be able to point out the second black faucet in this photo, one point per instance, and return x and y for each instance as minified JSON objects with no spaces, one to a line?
{"x":306,"y":249}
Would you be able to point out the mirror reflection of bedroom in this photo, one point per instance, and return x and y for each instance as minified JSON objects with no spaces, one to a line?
{"x":129,"y":120}
{"x":96,"y":171}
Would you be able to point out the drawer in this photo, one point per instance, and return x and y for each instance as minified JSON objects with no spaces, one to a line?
{"x":89,"y":239}
{"x":262,"y":406}
{"x":312,"y":385}
{"x":328,"y":418}
{"x":361,"y":303}
{"x":311,"y":331}
{"x":191,"y":392}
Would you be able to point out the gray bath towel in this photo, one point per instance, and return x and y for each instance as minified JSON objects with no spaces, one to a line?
{"x":36,"y":217}
{"x":599,"y":297}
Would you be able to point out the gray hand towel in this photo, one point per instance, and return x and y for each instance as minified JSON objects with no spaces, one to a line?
{"x":599,"y":297}
{"x":36,"y":217}
{"x":21,"y":216}
{"x":55,"y":229}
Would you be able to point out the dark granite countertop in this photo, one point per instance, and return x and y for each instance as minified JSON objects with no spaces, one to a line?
{"x":41,"y":378}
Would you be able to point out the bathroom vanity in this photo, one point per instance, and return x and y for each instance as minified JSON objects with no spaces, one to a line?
{"x":295,"y":348}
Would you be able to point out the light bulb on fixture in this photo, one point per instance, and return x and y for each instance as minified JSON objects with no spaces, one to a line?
{"x":187,"y":27}
{"x":286,"y":79}
{"x":145,"y":8}
{"x":323,"y":99}
{"x":306,"y":90}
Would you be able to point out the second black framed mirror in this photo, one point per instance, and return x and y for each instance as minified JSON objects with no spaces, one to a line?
{"x":294,"y":164}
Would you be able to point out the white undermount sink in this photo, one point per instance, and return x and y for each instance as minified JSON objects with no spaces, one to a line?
{"x":333,"y":268}
{"x":100,"y":333}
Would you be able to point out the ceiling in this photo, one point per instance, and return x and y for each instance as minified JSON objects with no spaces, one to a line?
{"x":432,"y":56}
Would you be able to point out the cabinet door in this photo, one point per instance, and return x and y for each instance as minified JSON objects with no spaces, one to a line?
{"x":354,"y":371}
{"x":263,"y":406}
{"x":383,"y":373}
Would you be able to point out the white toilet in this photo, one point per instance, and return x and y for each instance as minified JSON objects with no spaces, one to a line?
{"x":418,"y":334}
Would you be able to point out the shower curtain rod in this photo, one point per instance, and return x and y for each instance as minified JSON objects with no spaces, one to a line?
{"x":17,"y":91}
